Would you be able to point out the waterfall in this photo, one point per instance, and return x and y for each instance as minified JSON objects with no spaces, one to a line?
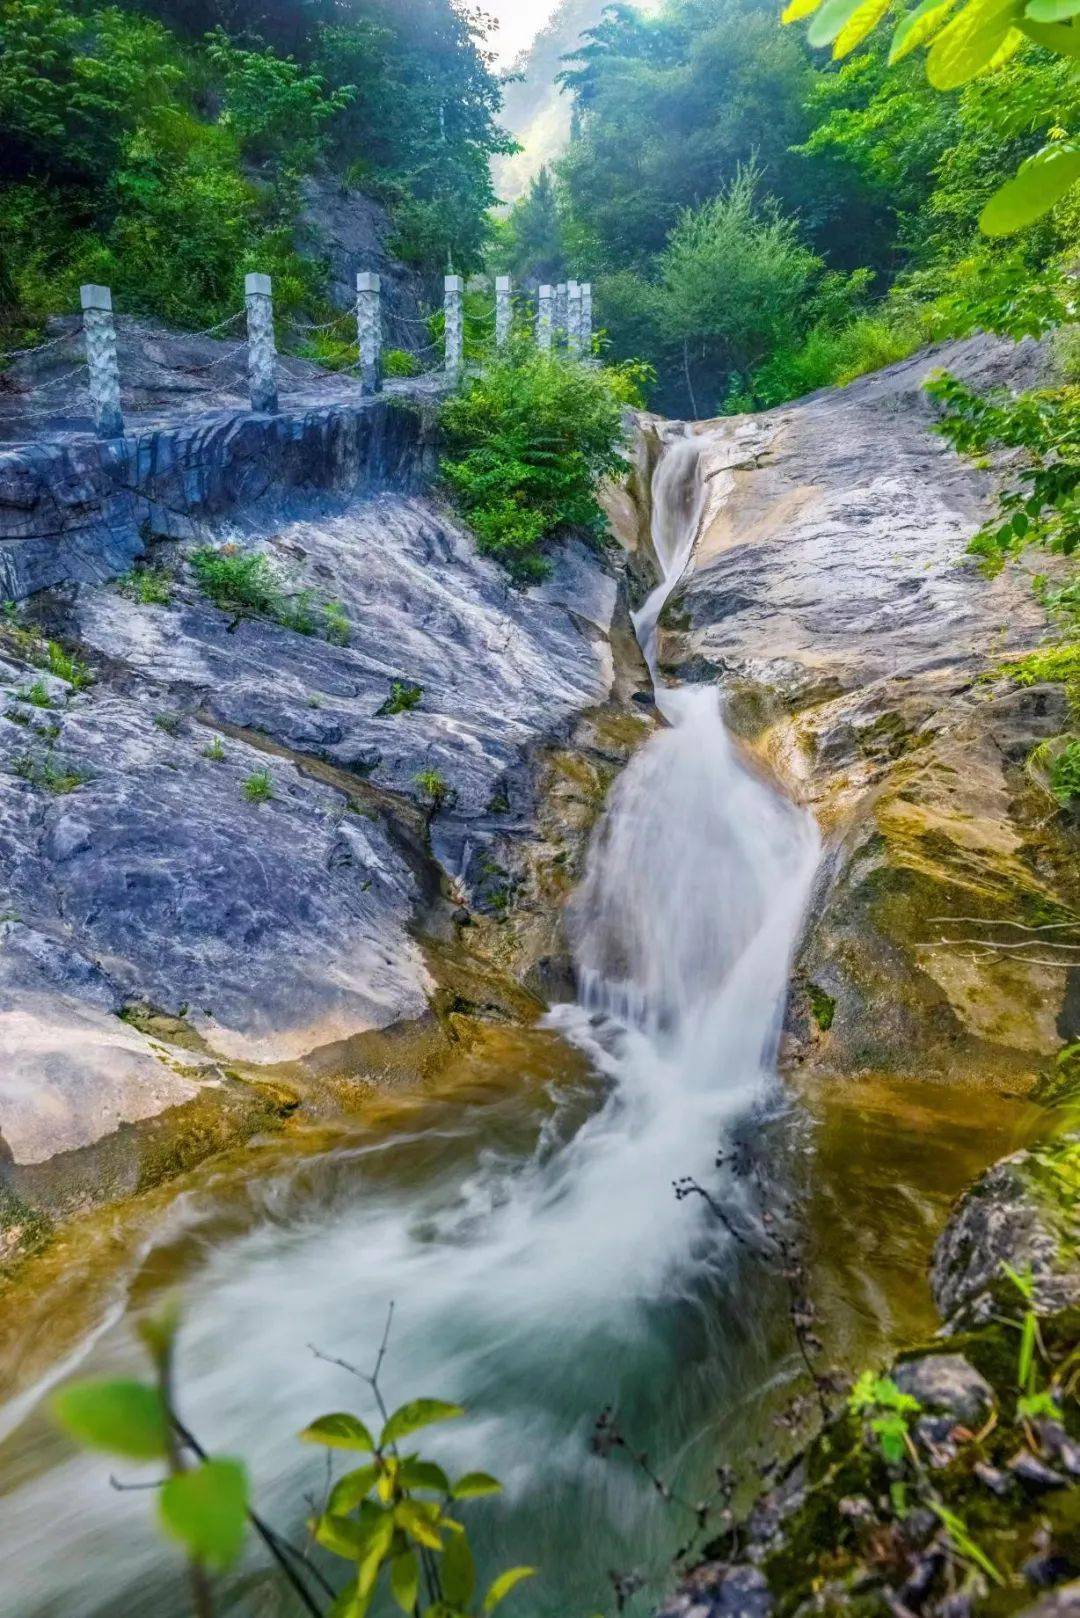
{"x":531,"y":1262}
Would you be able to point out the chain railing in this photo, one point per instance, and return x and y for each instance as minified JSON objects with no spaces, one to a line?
{"x":457,"y":334}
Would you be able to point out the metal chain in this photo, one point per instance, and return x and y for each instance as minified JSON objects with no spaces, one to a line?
{"x":230,"y":320}
{"x":39,"y":348}
{"x":47,"y":387}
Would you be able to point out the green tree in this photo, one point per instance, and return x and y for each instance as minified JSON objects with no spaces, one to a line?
{"x":532,"y":239}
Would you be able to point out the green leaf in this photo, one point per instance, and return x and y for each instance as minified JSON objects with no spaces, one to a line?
{"x":828,"y":20}
{"x":405,"y":1580}
{"x":502,"y":1586}
{"x":970,"y":42}
{"x":206,"y":1510}
{"x":418,"y":1474}
{"x":417,"y":1520}
{"x":339,"y":1431}
{"x":379,"y":1538}
{"x":344,"y":1536}
{"x":916,"y":27}
{"x":124,"y":1418}
{"x":416,"y":1414}
{"x":474,"y":1484}
{"x":1038,"y":183}
{"x":796,"y":10}
{"x":458,"y":1572}
{"x":1052,"y":10}
{"x":350,"y":1489}
{"x":863,"y":21}
{"x":1053,"y":36}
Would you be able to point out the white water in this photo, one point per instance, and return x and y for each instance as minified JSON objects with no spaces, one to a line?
{"x":533,"y":1280}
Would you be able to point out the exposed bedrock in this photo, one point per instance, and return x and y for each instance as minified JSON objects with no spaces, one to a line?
{"x":831,"y":596}
{"x":170,"y":932}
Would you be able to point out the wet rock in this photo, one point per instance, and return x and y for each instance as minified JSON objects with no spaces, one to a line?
{"x":719,"y":1591}
{"x":947,"y":1383}
{"x":1035,"y":1473}
{"x":831,"y":596}
{"x":1063,"y":1603}
{"x":1022,"y":1213}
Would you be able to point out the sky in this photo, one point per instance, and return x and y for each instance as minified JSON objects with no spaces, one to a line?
{"x":519,"y":23}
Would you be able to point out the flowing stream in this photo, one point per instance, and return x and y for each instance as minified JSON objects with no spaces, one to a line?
{"x":540,"y":1265}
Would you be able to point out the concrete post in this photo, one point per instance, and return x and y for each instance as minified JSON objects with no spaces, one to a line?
{"x":369,"y":330}
{"x":504,"y":309}
{"x":262,"y":349}
{"x":455,"y":324}
{"x":586,"y":319}
{"x":544,"y":311}
{"x":573,"y":319}
{"x":560,"y":314}
{"x":99,"y":335}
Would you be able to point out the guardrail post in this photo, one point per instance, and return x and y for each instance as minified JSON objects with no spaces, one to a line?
{"x":586,"y":319}
{"x":262,"y":349}
{"x":560,"y":313}
{"x":573,"y":319}
{"x":504,"y":309}
{"x":544,"y":303}
{"x":455,"y":323}
{"x":99,"y":334}
{"x":369,"y":330}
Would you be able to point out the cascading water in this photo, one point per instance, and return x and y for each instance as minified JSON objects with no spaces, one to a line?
{"x":541,"y":1267}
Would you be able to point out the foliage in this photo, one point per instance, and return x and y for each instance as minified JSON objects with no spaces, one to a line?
{"x":149,"y":586}
{"x":962,"y":44}
{"x":532,"y":239}
{"x":214,"y":751}
{"x":128,"y":142}
{"x":399,"y":362}
{"x":527,"y":443}
{"x":395,"y":1519}
{"x":248,"y":584}
{"x":259,"y":787}
{"x":886,"y":1411}
{"x":434,"y":788}
{"x":403,"y":698}
{"x":1040,"y":504}
{"x":1065,"y":774}
{"x":49,"y":774}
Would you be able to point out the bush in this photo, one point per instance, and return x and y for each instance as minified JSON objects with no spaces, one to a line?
{"x":399,"y":362}
{"x":527,"y":444}
{"x":1065,"y":775}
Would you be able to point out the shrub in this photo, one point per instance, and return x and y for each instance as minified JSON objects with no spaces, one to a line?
{"x":66,"y":666}
{"x":214,"y":751}
{"x":259,"y":787}
{"x":527,"y":443}
{"x":149,"y":586}
{"x":1065,"y":775}
{"x":403,"y":698}
{"x":399,"y":362}
{"x":434,"y":788}
{"x":37,"y":695}
{"x":248,"y":584}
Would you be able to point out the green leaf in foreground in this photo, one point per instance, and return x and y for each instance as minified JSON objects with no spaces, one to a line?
{"x":1039,"y":182}
{"x":475,"y":1484}
{"x":1052,"y":10}
{"x":917,"y":26}
{"x":828,"y":20}
{"x":971,"y":41}
{"x":123,"y":1417}
{"x":502,"y":1586}
{"x":339,"y":1431}
{"x":206,"y":1510}
{"x":414,"y":1415}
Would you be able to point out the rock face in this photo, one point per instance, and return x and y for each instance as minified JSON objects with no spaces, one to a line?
{"x":349,"y":232}
{"x":219,"y":834}
{"x":831,"y":595}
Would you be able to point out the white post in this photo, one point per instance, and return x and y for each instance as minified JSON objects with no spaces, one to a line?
{"x":586,"y":319}
{"x":560,"y":314}
{"x":573,"y":319}
{"x":262,"y":350}
{"x":504,"y":310}
{"x":100,"y":339}
{"x":545,"y":300}
{"x":455,"y":323}
{"x":369,"y":330}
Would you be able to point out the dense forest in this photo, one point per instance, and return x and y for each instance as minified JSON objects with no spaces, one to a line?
{"x":761,"y":220}
{"x":158,"y":145}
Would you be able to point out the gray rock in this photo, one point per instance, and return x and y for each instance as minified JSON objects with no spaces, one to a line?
{"x":947,"y":1383}
{"x":717,"y":1590}
{"x":1016,"y":1215}
{"x":1063,"y":1603}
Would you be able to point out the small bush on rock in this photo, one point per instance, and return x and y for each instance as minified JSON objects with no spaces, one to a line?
{"x":527,"y":444}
